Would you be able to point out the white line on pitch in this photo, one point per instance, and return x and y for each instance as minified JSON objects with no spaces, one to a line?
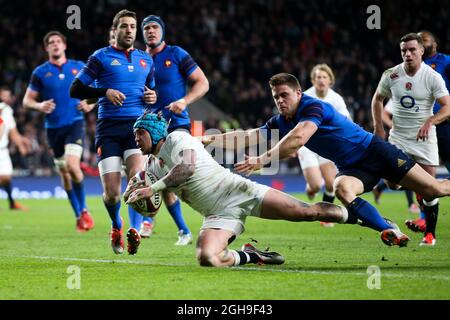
{"x":266,"y":269}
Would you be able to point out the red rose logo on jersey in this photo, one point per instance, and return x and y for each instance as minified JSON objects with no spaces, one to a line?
{"x":167,"y":63}
{"x":408,"y":86}
{"x":143,"y":63}
{"x":74,"y":72}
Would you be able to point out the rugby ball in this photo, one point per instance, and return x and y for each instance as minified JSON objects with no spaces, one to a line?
{"x":147,"y":207}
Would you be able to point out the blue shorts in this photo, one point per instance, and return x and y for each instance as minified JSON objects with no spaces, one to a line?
{"x":58,"y":138}
{"x":443,"y":136}
{"x":381,"y":160}
{"x":113,"y":137}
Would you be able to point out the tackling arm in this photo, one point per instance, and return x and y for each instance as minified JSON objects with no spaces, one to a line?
{"x":284,"y":149}
{"x":233,"y":140}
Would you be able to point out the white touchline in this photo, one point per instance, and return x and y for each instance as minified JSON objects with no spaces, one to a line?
{"x":264,"y":269}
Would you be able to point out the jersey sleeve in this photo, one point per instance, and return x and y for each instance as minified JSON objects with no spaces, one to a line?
{"x":35,"y":82}
{"x":271,"y":124}
{"x":313,"y":113}
{"x":447,"y":67}
{"x":186,"y":63}
{"x":91,"y":70}
{"x":438,"y":86}
{"x":384,"y":87}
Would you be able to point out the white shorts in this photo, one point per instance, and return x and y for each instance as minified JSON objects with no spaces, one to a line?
{"x":310,"y":159}
{"x":234,"y":207}
{"x":6,"y":168}
{"x":423,"y":152}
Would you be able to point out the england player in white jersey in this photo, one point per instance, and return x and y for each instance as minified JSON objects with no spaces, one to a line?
{"x":316,"y":169}
{"x":9,"y":131}
{"x":414,"y":87}
{"x":224,"y":199}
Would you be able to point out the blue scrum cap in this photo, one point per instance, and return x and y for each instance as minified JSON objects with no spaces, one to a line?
{"x":155,"y":125}
{"x":158,"y":20}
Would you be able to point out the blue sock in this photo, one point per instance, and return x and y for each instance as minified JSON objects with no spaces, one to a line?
{"x":114,"y":214}
{"x":148,"y":219}
{"x":74,"y":202}
{"x":422,"y":214}
{"x":135,"y":218}
{"x":175,"y":212}
{"x":368,"y":215}
{"x":78,"y":188}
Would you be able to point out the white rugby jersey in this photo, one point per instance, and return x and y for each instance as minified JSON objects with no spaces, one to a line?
{"x":210,"y":182}
{"x":412,"y":98}
{"x":333,"y":98}
{"x":7,"y":115}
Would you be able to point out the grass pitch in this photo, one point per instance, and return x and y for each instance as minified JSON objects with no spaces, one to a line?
{"x":37,"y":248}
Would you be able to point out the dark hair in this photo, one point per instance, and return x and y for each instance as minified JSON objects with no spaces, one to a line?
{"x":51,"y":34}
{"x":121,"y":14}
{"x":412,"y":36}
{"x":285,"y":78}
{"x":431,"y":34}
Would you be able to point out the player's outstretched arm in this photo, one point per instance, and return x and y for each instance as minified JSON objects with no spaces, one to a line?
{"x":234,"y":140}
{"x":286,"y":148}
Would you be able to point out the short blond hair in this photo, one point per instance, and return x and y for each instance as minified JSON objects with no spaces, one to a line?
{"x":325,"y":68}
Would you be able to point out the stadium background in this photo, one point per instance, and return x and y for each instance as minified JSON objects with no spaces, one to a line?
{"x":239,"y":45}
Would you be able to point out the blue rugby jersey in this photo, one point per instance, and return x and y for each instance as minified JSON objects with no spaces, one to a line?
{"x":128,"y":72}
{"x":53,"y":82}
{"x":441,"y":64}
{"x":336,"y":138}
{"x":173,"y":66}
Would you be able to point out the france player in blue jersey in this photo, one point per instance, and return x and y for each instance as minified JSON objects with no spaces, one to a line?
{"x":361,"y":157}
{"x":174,"y":69}
{"x":64,"y":119}
{"x":441,"y":64}
{"x":123,"y":78}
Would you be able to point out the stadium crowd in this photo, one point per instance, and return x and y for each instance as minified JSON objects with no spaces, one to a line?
{"x":238,"y":44}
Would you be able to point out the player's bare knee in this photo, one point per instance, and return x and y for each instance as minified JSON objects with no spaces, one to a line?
{"x":169,"y":198}
{"x":205,"y":258}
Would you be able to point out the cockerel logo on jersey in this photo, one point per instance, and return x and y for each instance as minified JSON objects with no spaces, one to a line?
{"x":167,"y":63}
{"x":433,"y":65}
{"x":143,"y":63}
{"x":74,"y":72}
{"x":408,"y":86}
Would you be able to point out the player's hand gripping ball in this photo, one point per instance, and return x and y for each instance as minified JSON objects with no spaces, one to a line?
{"x":148,"y":207}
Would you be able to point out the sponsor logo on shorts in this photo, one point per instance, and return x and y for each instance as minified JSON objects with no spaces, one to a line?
{"x":400,"y":162}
